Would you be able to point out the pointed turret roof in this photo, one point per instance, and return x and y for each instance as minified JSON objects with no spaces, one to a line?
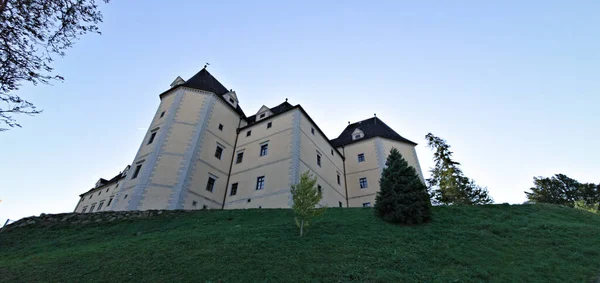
{"x":371,"y":128}
{"x":203,"y":80}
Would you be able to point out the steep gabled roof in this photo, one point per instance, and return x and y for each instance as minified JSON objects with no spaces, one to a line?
{"x":372,"y":127}
{"x":105,"y":182}
{"x":203,"y":80}
{"x":275,"y":110}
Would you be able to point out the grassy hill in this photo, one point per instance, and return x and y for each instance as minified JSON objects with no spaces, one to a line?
{"x":498,"y":243}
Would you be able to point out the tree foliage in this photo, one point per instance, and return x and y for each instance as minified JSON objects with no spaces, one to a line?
{"x":402,"y":197}
{"x":448,"y":184}
{"x":31,"y":33}
{"x":306,"y":197}
{"x":560,"y":189}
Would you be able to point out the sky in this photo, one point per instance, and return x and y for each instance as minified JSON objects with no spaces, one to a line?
{"x":511,"y":85}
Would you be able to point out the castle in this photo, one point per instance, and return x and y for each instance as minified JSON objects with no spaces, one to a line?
{"x":201,"y":151}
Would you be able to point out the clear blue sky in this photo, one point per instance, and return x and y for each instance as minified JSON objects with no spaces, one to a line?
{"x":512,"y":85}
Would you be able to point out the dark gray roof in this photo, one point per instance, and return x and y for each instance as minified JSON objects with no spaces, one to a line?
{"x":276,"y":110}
{"x":104,"y":182}
{"x":372,"y":127}
{"x":203,"y":80}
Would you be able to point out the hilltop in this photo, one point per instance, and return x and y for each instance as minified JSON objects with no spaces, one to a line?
{"x":498,"y":243}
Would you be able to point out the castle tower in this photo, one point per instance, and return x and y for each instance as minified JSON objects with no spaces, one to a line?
{"x":184,"y":159}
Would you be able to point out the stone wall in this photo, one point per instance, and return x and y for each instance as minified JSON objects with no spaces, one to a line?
{"x":48,"y":220}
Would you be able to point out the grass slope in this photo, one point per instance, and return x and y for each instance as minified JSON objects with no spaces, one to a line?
{"x":497,"y":243}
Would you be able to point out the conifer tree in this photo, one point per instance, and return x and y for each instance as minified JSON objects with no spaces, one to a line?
{"x":448,"y":184}
{"x":306,"y":196}
{"x":402,"y":197}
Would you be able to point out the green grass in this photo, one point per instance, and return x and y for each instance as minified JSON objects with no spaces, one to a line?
{"x":493,"y":243}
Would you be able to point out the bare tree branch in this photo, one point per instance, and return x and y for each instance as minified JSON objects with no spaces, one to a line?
{"x":31,"y":33}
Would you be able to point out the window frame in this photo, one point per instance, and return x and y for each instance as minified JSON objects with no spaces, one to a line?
{"x":248,"y":133}
{"x":219,"y":152}
{"x":264,"y":149}
{"x":162,"y":114}
{"x":366,"y":183}
{"x":239,"y":157}
{"x":210,"y":184}
{"x":260,"y":183}
{"x":269,"y":125}
{"x":361,"y":157}
{"x":366,"y":204}
{"x":136,"y":172}
{"x":319,"y":160}
{"x":152,"y":137}
{"x":233,"y":190}
{"x":220,"y":127}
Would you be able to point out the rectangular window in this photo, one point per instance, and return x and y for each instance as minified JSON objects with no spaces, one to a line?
{"x":92,"y":207}
{"x":260,"y":183}
{"x":319,"y":160}
{"x":211,"y":184}
{"x":100,"y":205}
{"x":319,"y":188}
{"x":220,"y":127}
{"x":340,"y":203}
{"x":194,"y":203}
{"x":361,"y":157}
{"x":152,"y":136}
{"x":137,"y":171}
{"x":262,"y":115}
{"x":332,"y":152}
{"x":312,"y":131}
{"x":366,"y":204}
{"x":248,"y":133}
{"x":363,"y":183}
{"x":231,"y":100}
{"x":218,"y":152}
{"x":339,"y":179}
{"x":239,"y":158}
{"x":269,"y":125}
{"x":162,"y":114}
{"x":91,"y":196}
{"x":109,"y":201}
{"x":357,"y":136}
{"x":84,"y":209}
{"x":233,"y":189}
{"x":264,"y":149}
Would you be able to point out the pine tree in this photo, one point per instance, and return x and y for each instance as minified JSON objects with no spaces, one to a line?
{"x":306,"y":196}
{"x":402,"y":198}
{"x":448,"y":184}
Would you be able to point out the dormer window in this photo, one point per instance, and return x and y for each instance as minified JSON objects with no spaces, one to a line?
{"x":263,"y":112}
{"x":231,"y":98}
{"x":357,"y":134}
